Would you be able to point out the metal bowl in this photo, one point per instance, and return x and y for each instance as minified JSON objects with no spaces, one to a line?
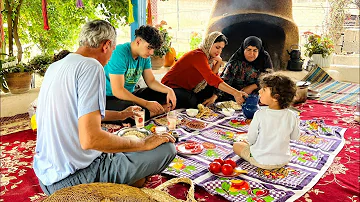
{"x":122,"y":131}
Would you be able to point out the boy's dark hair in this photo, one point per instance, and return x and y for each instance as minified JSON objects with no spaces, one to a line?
{"x":60,"y":55}
{"x":150,"y":34}
{"x":282,"y":88}
{"x":221,"y":38}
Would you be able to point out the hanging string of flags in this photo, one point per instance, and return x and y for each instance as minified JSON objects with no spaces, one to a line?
{"x":44,"y":14}
{"x":79,"y":4}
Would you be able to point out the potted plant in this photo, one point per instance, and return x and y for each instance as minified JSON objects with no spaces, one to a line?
{"x":158,"y":58}
{"x":16,"y":76}
{"x":40,"y":63}
{"x":320,"y":49}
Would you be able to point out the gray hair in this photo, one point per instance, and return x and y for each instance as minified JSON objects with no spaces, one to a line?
{"x":95,"y":32}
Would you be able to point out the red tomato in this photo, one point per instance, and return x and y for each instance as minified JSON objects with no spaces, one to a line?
{"x":189,"y":145}
{"x":219,"y":160}
{"x":196,"y":149}
{"x":227,"y":169}
{"x":215,"y":167}
{"x":231,"y":162}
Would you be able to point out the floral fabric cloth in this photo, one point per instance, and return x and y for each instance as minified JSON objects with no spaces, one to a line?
{"x":340,"y":181}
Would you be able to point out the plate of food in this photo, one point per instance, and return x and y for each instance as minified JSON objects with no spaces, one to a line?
{"x":204,"y":112}
{"x":133,"y":132}
{"x":163,"y":121}
{"x":189,"y":147}
{"x":195,"y":124}
{"x":228,"y":105}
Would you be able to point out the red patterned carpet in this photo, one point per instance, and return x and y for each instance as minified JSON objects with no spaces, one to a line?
{"x":339,"y":183}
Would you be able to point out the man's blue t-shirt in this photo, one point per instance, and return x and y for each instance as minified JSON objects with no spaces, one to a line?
{"x":72,"y":88}
{"x":122,"y":63}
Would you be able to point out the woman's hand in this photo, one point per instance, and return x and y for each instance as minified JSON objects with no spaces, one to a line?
{"x":239,"y":97}
{"x":210,"y":100}
{"x":217,"y":59}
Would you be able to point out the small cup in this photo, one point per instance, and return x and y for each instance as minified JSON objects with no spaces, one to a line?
{"x":172,"y":118}
{"x":140,"y":120}
{"x":228,"y":112}
{"x":175,"y":135}
{"x":192,"y":112}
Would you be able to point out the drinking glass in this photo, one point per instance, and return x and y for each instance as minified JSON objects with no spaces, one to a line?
{"x":172,"y":118}
{"x":140,"y":120}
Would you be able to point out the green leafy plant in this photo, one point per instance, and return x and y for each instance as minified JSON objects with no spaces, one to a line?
{"x":195,"y":40}
{"x":40,"y":63}
{"x":10,"y":65}
{"x":65,"y":21}
{"x":166,"y":45}
{"x":17,"y":68}
{"x":318,"y":45}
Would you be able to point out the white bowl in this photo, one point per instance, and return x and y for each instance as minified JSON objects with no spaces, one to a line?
{"x":192,"y":112}
{"x":228,"y":112}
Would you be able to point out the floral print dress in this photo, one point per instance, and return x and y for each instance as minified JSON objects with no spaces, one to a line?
{"x":239,"y":74}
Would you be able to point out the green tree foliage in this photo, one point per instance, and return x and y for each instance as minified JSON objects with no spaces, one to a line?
{"x":115,"y":11}
{"x":65,"y":21}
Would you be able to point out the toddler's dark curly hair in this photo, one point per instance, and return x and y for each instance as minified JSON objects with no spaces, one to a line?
{"x":283,"y":88}
{"x":151,"y":35}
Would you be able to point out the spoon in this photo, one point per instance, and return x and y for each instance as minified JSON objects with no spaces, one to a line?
{"x":222,"y":104}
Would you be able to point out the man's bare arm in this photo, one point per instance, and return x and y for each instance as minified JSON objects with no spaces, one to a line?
{"x":91,"y":136}
{"x":117,"y":85}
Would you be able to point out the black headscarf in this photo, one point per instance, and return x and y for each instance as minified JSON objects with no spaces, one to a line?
{"x":259,"y":62}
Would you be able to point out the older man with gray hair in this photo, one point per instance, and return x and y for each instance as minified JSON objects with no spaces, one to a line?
{"x":71,"y":147}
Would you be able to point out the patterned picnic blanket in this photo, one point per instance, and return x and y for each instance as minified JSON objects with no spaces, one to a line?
{"x":331,"y":90}
{"x":312,"y":155}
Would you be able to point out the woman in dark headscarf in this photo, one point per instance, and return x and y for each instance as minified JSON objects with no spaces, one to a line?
{"x":243,"y":69}
{"x":194,"y":76}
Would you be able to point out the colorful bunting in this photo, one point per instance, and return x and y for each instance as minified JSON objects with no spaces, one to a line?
{"x":149,"y":15}
{"x":44,"y":13}
{"x":131,"y":13}
{"x":79,"y":4}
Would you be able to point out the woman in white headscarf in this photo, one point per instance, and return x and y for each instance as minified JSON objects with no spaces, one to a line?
{"x":195,"y":72}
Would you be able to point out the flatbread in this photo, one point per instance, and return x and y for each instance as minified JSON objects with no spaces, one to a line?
{"x":164,"y":122}
{"x":228,"y":104}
